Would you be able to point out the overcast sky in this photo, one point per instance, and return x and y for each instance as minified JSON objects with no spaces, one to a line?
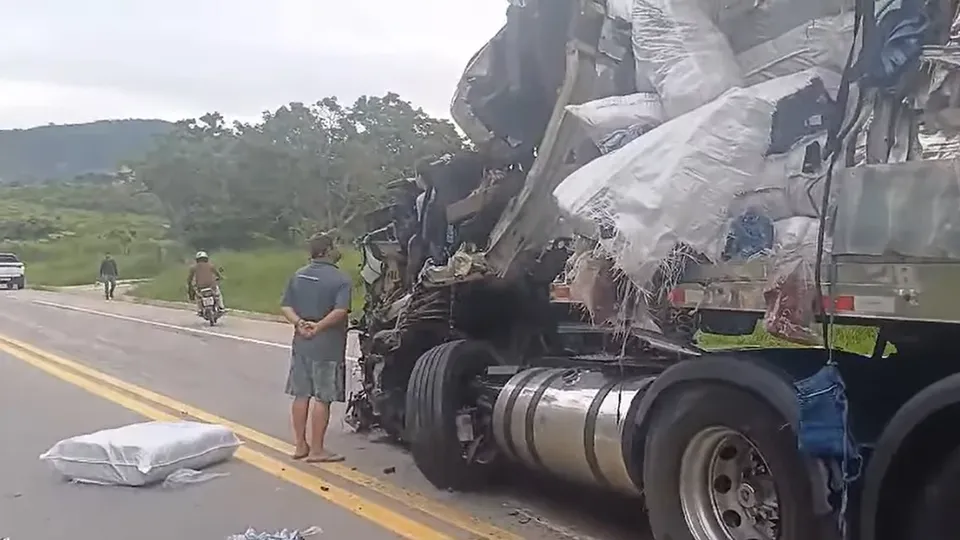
{"x":69,"y":61}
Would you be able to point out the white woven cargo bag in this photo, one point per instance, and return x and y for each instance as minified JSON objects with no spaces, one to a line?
{"x":141,"y":454}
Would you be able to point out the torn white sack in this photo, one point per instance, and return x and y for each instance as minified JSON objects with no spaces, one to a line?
{"x":821,"y":43}
{"x":619,"y":9}
{"x":141,"y":454}
{"x":748,"y":23}
{"x":683,"y":53}
{"x":691,"y":49}
{"x":676,"y":183}
{"x":608,"y":120}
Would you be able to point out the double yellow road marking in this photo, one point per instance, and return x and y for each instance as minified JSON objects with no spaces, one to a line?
{"x":122,"y":393}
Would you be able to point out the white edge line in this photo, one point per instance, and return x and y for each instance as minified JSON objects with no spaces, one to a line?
{"x":163,"y":325}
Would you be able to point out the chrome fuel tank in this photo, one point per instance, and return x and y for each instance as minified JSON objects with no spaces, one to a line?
{"x":570,"y":422}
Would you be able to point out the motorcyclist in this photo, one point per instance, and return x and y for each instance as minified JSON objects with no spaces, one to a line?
{"x":204,"y":274}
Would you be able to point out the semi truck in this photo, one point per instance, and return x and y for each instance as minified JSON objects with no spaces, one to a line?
{"x":473,"y":354}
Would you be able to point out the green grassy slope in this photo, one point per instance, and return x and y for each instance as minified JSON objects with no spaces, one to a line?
{"x":63,"y":246}
{"x":253,"y":280}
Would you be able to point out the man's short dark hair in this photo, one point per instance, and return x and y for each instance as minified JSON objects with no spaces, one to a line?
{"x":320,"y":244}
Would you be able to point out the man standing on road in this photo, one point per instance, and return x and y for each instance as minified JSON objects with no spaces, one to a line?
{"x":108,"y":276}
{"x":317,"y":302}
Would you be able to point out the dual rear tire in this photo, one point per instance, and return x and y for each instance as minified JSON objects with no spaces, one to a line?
{"x":436,"y":393}
{"x":936,"y":514}
{"x":721,"y":464}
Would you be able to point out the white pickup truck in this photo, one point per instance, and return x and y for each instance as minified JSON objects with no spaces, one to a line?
{"x":11,"y":272}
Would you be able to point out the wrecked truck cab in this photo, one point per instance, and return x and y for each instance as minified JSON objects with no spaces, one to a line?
{"x":459,"y":267}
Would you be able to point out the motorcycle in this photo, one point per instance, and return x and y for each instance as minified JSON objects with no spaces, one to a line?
{"x":208,"y":310}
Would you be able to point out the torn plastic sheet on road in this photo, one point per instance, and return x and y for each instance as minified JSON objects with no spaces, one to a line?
{"x":187,"y":477}
{"x":141,"y":454}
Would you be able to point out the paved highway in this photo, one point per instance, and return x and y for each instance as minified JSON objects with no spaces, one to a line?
{"x":73,"y":363}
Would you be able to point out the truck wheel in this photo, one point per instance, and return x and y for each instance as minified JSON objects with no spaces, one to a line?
{"x":934,"y":515}
{"x":719,"y":465}
{"x":436,"y":392}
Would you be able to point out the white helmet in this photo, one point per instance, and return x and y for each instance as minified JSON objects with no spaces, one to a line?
{"x":201,"y":255}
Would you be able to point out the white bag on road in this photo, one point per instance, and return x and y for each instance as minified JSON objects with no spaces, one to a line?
{"x":141,"y":454}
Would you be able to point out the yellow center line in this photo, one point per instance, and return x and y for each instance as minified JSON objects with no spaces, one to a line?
{"x":388,"y":519}
{"x":416,"y":501}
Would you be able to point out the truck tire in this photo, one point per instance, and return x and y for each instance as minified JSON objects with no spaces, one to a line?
{"x":694,"y":473}
{"x":435,"y":393}
{"x":935,"y":513}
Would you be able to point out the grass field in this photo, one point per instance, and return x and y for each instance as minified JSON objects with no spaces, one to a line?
{"x":855,"y":339}
{"x":63,"y":246}
{"x":253,"y":280}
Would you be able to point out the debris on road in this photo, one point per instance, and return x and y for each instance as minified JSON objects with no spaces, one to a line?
{"x":285,"y":534}
{"x":525,"y":516}
{"x":143,"y":453}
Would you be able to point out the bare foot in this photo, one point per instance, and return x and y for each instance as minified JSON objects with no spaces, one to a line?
{"x":301,"y":452}
{"x":324,"y":457}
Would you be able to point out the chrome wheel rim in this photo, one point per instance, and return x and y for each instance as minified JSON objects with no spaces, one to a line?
{"x":726,"y":489}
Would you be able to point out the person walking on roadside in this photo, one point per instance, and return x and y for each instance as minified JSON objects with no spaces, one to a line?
{"x":108,"y":276}
{"x":317,"y":302}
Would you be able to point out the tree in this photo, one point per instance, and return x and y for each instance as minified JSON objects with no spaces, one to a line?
{"x":301,"y":167}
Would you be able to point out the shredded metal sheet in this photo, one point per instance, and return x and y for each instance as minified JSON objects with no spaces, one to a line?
{"x":285,"y":534}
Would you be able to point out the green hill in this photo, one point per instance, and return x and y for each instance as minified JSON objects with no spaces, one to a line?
{"x":63,"y":152}
{"x":61,"y":234}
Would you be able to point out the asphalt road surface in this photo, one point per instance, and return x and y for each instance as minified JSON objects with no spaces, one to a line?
{"x":72,"y":363}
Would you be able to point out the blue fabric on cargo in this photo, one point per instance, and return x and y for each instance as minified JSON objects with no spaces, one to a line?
{"x":896,"y":47}
{"x":825,"y":429}
{"x":750,"y":234}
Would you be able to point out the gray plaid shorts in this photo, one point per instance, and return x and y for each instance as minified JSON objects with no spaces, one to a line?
{"x":319,"y":379}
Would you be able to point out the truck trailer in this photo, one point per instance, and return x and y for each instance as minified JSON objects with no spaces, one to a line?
{"x":473,"y":353}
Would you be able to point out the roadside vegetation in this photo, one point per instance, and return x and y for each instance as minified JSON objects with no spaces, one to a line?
{"x":62,"y":246}
{"x":248,"y":193}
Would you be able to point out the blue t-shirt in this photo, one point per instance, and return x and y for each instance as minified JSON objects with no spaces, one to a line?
{"x":313,"y":292}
